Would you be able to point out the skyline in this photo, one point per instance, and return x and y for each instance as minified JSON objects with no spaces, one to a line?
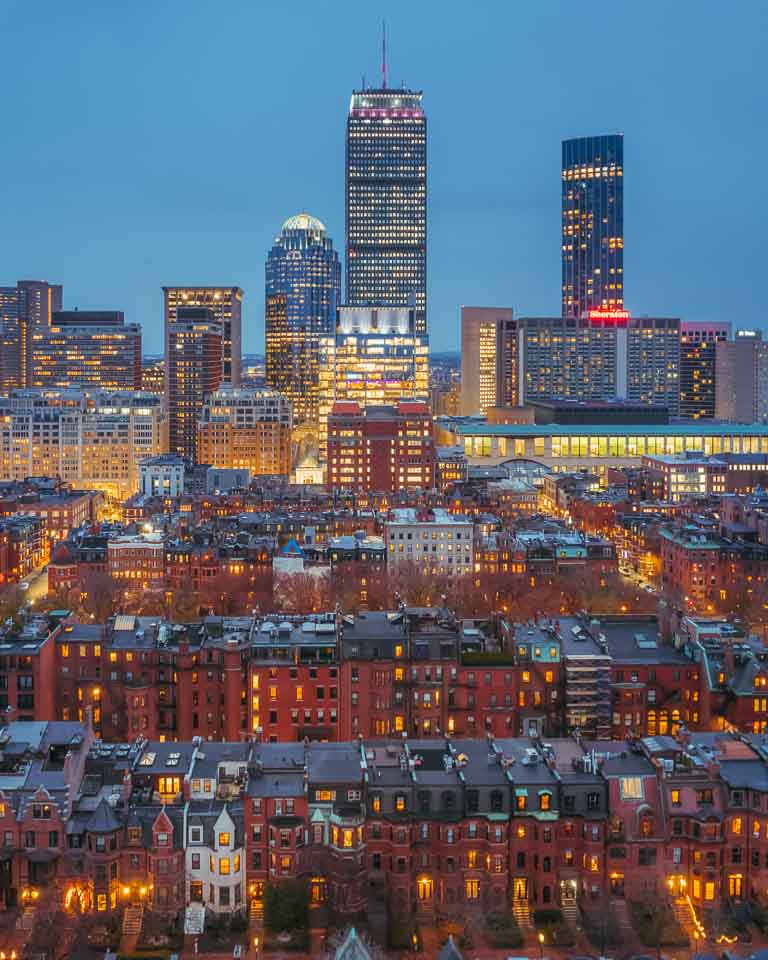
{"x":190,"y":153}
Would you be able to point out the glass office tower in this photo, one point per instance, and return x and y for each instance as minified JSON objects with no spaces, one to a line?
{"x":386,"y":201}
{"x":303,"y":286}
{"x":593,"y":224}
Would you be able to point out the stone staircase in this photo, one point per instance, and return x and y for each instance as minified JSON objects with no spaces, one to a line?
{"x":521,"y":911}
{"x":132,"y":920}
{"x":682,"y":910}
{"x":256,"y":911}
{"x":26,"y":919}
{"x":620,"y":912}
{"x":570,"y":909}
{"x":194,"y":919}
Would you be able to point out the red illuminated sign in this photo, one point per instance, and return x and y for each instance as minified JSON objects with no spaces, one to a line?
{"x":610,"y":316}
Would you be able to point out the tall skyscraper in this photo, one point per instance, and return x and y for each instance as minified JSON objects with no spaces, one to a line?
{"x":697,"y":367}
{"x":226,"y":306}
{"x":303,"y":287}
{"x":193,"y":364}
{"x":742,"y":378}
{"x":25,"y":310}
{"x":593,"y":224}
{"x":87,"y":348}
{"x":386,"y":200}
{"x":489,"y":359}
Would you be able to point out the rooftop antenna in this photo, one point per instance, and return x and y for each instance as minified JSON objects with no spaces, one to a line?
{"x":384,"y":54}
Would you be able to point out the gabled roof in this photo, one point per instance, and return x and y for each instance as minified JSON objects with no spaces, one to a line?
{"x":449,"y":950}
{"x":352,"y":948}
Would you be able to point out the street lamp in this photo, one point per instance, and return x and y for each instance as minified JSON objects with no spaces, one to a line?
{"x":541,"y":945}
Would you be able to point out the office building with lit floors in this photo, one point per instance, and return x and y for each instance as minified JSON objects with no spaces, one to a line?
{"x":87,"y":348}
{"x":374,"y":357}
{"x":381,"y":448}
{"x":741,"y":371}
{"x":226,"y":306}
{"x":25,"y":309}
{"x":246,"y":429}
{"x":592,"y":240}
{"x":193,"y":365}
{"x":490,"y":373}
{"x":386,"y":200}
{"x":303,"y":286}
{"x":698,"y":374}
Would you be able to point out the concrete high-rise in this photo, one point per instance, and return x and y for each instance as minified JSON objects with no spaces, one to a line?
{"x":25,"y":310}
{"x":698,"y":374}
{"x":303,"y":287}
{"x":226,"y":306}
{"x":592,"y":245}
{"x":607,"y":355}
{"x":741,"y":378}
{"x":386,"y":200}
{"x":87,"y":348}
{"x":193,"y":364}
{"x":489,"y":359}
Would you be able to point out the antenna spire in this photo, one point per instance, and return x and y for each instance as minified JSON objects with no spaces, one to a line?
{"x":384,"y":54}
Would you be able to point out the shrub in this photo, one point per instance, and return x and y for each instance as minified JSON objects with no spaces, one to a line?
{"x":286,"y":906}
{"x":547,"y":916}
{"x":502,"y":930}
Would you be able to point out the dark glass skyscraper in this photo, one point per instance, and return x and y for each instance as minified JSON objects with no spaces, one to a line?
{"x":303,"y":289}
{"x":593,"y":224}
{"x":386,"y":201}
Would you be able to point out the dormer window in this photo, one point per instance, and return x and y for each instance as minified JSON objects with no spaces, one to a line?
{"x":162,"y":839}
{"x":195,"y":834}
{"x":134,"y":834}
{"x":224,"y":839}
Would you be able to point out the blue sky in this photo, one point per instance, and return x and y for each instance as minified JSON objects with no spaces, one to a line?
{"x":158,"y":141}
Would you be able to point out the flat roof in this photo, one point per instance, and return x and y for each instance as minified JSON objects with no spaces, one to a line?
{"x":699,"y":428}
